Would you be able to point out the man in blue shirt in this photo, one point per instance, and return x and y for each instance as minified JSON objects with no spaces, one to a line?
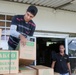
{"x":61,"y":63}
{"x":22,"y":27}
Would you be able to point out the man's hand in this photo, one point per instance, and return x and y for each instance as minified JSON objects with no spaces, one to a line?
{"x":68,"y":64}
{"x":23,"y":40}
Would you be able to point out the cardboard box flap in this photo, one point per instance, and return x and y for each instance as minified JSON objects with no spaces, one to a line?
{"x":25,"y":68}
{"x":25,"y":62}
{"x":40,"y":67}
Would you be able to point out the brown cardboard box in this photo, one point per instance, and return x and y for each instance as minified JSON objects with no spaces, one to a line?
{"x":35,"y":70}
{"x":27,"y":53}
{"x":15,"y":65}
{"x":42,"y":70}
{"x":8,"y":61}
{"x":14,"y":74}
{"x":55,"y":73}
{"x":25,"y":71}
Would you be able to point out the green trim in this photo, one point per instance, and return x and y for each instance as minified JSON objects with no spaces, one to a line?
{"x":8,"y":55}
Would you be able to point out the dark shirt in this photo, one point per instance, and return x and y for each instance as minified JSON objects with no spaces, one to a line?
{"x":61,"y":63}
{"x":26,"y":29}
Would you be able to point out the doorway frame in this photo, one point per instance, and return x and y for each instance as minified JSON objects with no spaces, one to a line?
{"x":53,"y":35}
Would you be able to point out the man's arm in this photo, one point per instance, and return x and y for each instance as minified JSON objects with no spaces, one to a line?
{"x":54,"y":59}
{"x":68,"y":64}
{"x":13,"y":28}
{"x":53,"y":64}
{"x":14,"y":32}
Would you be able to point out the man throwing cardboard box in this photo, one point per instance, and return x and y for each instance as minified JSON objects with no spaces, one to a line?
{"x":22,"y":27}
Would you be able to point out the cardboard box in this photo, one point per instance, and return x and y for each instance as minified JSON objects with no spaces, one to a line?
{"x":42,"y":70}
{"x":8,"y":62}
{"x":25,"y":71}
{"x":14,"y":74}
{"x":27,"y":52}
{"x":35,"y":70}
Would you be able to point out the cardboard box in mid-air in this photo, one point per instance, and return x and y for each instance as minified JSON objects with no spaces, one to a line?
{"x":27,"y":53}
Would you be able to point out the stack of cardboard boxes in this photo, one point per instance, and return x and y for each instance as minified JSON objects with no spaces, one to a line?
{"x":10,"y":61}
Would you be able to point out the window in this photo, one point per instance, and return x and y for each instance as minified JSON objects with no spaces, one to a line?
{"x":5,"y":22}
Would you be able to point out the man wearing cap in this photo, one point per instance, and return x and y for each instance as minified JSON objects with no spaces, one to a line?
{"x":22,"y":27}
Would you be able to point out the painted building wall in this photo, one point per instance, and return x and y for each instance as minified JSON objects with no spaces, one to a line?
{"x":47,"y":19}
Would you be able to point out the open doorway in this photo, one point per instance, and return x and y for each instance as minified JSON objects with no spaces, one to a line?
{"x":46,"y":48}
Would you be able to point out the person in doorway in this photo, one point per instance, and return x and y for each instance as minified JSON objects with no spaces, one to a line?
{"x":22,"y":27}
{"x":61,"y":63}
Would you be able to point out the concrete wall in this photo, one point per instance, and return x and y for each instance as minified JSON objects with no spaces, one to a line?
{"x":47,"y":19}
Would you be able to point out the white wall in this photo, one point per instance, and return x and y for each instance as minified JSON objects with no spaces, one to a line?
{"x":47,"y":19}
